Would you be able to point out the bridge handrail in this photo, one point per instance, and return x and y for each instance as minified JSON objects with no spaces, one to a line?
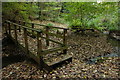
{"x":37,"y":30}
{"x":45,"y":25}
{"x":46,"y":32}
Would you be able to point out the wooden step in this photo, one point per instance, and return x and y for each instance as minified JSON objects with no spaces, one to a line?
{"x":66,"y":58}
{"x":56,"y":49}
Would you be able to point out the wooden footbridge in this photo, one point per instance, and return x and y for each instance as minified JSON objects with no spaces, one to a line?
{"x":40,"y":42}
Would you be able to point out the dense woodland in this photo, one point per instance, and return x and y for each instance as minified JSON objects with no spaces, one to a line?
{"x":88,"y":31}
{"x":100,"y":16}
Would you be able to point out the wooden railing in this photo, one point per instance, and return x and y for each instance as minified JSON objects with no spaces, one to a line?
{"x":21,"y":26}
{"x":48,"y":33}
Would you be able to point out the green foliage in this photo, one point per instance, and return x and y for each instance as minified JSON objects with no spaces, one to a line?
{"x":49,"y":24}
{"x":81,"y":14}
{"x":92,"y":15}
{"x":112,"y":28}
{"x":15,"y":11}
{"x":75,"y":23}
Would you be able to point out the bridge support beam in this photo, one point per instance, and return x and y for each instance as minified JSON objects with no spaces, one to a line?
{"x":65,"y":40}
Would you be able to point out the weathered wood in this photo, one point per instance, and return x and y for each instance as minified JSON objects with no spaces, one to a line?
{"x":32,"y":27}
{"x":39,"y":44}
{"x":47,"y":36}
{"x":50,"y":34}
{"x":45,"y":25}
{"x":6,"y":28}
{"x":34,"y":35}
{"x":19,"y":26}
{"x":37,"y":30}
{"x":26,"y":39}
{"x":65,"y":58}
{"x":49,"y":51}
{"x":65,"y":40}
{"x":24,"y":23}
{"x":46,"y":67}
{"x":39,"y":50}
{"x":9,"y":27}
{"x":30,"y":31}
{"x":15,"y":31}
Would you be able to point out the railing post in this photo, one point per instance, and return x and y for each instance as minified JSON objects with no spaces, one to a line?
{"x":47,"y":36}
{"x":57,"y":31}
{"x":65,"y":40}
{"x":32,"y":27}
{"x":15,"y":30}
{"x":39,"y":49}
{"x":6,"y":27}
{"x":9,"y":28}
{"x":23,"y":23}
{"x":19,"y":26}
{"x":26,"y":39}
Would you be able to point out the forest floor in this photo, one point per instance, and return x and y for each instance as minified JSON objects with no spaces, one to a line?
{"x":82,"y":47}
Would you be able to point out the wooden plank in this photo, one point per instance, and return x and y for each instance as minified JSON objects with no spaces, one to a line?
{"x":49,"y":51}
{"x":50,"y":34}
{"x":19,"y":26}
{"x":45,"y":25}
{"x":35,"y":24}
{"x":37,"y":30}
{"x":47,"y":36}
{"x":32,"y":27}
{"x":39,"y":50}
{"x":39,"y":44}
{"x":26,"y":40}
{"x":65,"y":40}
{"x":31,"y":55}
{"x":24,"y":23}
{"x":15,"y":30}
{"x":39,"y":58}
{"x":9,"y":26}
{"x":34,"y":35}
{"x":46,"y":67}
{"x":6,"y":28}
{"x":65,"y":58}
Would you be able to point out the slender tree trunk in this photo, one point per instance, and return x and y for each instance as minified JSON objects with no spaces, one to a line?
{"x":40,"y":6}
{"x":39,"y":9}
{"x":59,"y":9}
